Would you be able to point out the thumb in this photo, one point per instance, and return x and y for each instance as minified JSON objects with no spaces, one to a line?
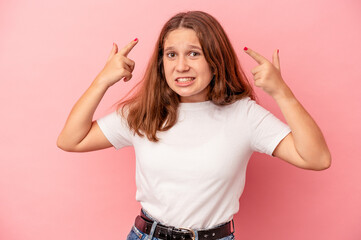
{"x":113,"y":51}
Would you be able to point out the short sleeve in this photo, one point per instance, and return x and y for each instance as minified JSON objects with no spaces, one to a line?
{"x":267,"y":131}
{"x":115,"y":128}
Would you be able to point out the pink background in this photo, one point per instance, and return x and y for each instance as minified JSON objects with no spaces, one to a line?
{"x":50,"y":51}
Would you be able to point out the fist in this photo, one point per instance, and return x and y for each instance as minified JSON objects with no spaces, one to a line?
{"x":267,"y":75}
{"x":118,"y":65}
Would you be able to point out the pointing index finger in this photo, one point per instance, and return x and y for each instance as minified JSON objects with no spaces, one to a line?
{"x":126,"y":50}
{"x":256,"y":56}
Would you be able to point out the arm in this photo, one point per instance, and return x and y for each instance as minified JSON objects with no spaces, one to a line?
{"x":81,"y":133}
{"x":305,"y":146}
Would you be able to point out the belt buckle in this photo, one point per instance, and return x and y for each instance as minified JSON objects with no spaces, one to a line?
{"x":192,"y":231}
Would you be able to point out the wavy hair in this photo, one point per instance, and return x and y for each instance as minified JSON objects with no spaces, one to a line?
{"x":154,"y":106}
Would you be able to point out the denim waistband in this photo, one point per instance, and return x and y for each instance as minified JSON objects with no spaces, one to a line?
{"x":198,"y":229}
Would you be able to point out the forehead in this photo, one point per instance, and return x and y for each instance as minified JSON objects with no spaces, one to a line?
{"x":181,"y":37}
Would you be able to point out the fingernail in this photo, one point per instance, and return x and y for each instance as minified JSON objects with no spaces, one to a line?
{"x":135,"y":39}
{"x":245,"y":48}
{"x":278,"y":50}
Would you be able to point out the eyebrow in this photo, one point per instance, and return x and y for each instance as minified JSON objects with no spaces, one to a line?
{"x":190,"y":46}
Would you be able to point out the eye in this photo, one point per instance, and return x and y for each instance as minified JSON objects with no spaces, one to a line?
{"x":171,"y":54}
{"x":194,"y":54}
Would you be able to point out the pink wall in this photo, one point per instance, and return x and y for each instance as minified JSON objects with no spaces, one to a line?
{"x":50,"y":51}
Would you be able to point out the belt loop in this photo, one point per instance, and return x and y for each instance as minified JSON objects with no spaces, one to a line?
{"x":170,"y":232}
{"x":150,"y":237}
{"x":232,"y":226}
{"x":195,"y":234}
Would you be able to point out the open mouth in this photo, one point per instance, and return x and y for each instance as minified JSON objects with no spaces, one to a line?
{"x":185,"y":79}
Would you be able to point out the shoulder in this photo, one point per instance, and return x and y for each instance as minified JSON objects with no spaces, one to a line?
{"x":115,"y":118}
{"x":248,"y":111}
{"x":250,"y":106}
{"x":244,"y":106}
{"x":240,"y":111}
{"x":243,"y":102}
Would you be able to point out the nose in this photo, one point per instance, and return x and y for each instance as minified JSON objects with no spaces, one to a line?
{"x":182,"y":64}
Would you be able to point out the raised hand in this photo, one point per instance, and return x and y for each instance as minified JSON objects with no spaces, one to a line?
{"x":118,"y":65}
{"x":267,"y":75}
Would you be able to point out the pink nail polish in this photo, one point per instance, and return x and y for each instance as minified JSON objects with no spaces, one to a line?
{"x":245,"y":48}
{"x":278,"y":50}
{"x":135,"y":39}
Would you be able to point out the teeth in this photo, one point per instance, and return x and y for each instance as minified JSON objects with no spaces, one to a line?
{"x":184,"y":79}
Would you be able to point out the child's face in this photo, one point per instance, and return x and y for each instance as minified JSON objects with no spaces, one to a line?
{"x":186,"y":70}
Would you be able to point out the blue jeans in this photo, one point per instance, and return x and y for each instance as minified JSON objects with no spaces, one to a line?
{"x":136,"y":234}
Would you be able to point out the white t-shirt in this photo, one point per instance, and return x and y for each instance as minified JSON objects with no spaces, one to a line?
{"x":193,"y":177}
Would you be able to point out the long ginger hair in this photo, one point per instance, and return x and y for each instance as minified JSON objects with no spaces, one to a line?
{"x":154,"y":106}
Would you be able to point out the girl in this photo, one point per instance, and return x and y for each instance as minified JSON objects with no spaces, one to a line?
{"x":194,"y":125}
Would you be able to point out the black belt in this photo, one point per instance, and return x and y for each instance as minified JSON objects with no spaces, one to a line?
{"x":144,"y":224}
